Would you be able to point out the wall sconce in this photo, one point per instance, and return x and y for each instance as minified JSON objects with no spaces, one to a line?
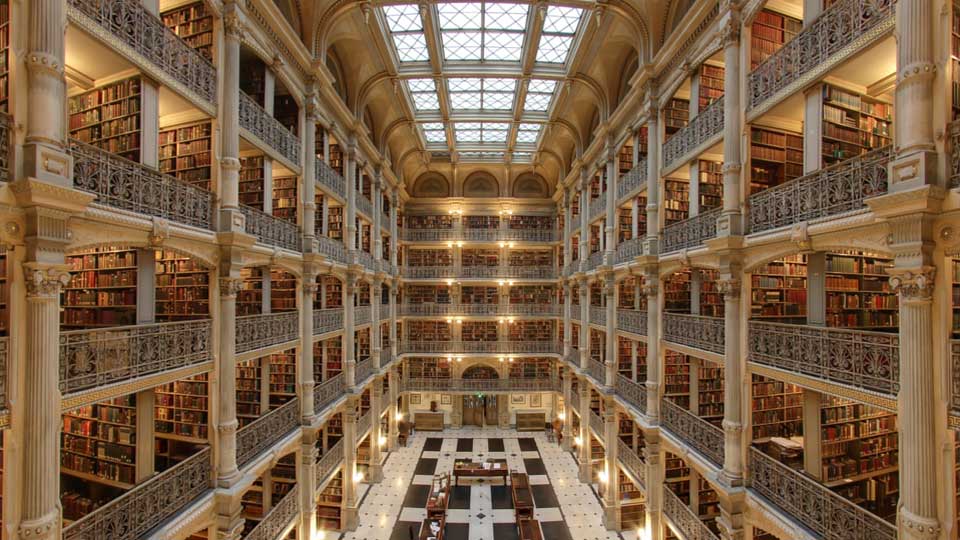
{"x":449,"y":320}
{"x":449,"y":244}
{"x":449,"y":283}
{"x":511,"y":360}
{"x":459,"y":320}
{"x":577,"y":441}
{"x":501,"y":283}
{"x":510,"y":244}
{"x":510,"y":283}
{"x":500,"y":359}
{"x":358,"y":477}
{"x":459,"y":359}
{"x":382,"y":440}
{"x":602,"y":476}
{"x":502,"y":320}
{"x":503,"y":244}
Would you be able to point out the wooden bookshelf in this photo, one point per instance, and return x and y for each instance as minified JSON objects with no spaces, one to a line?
{"x":779,"y":291}
{"x":285,"y":198}
{"x":331,"y":291}
{"x":479,"y":294}
{"x":711,"y":85}
{"x":102,"y":290}
{"x":955,"y":59}
{"x":283,"y":291}
{"x":330,"y":504}
{"x":4,"y":307}
{"x":532,"y":331}
{"x":676,"y":201}
{"x":633,"y":506}
{"x":676,"y":114}
{"x":676,"y":378}
{"x":481,"y":222}
{"x":954,"y":289}
{"x":776,"y":156}
{"x":250,"y":297}
{"x":533,"y":294}
{"x":430,"y":257}
{"x":427,"y":294}
{"x":625,"y":159}
{"x":531,"y":368}
{"x":429,"y":222}
{"x":287,"y":112}
{"x":249,"y":391}
{"x":480,"y":257}
{"x":676,"y":292}
{"x":429,"y":368}
{"x":283,"y":377}
{"x":186,"y":153}
{"x":182,"y":288}
{"x":708,"y":504}
{"x":427,"y":330}
{"x":545,"y":223}
{"x":335,"y":223}
{"x":108,"y":117}
{"x":711,"y":185}
{"x":333,"y":356}
{"x":99,"y":443}
{"x":853,"y":124}
{"x":251,"y":182}
{"x":711,"y":301}
{"x":677,"y":476}
{"x":4,"y":58}
{"x":530,"y":257}
{"x":362,"y":343}
{"x":336,"y":158}
{"x":181,"y":410}
{"x":768,"y":33}
{"x":710,"y":393}
{"x":777,"y":408}
{"x":194,"y":24}
{"x":859,"y":293}
{"x":479,"y":331}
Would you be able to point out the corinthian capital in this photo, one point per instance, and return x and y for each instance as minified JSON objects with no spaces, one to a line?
{"x":43,"y":281}
{"x":650,"y":287}
{"x":233,"y":24}
{"x":230,"y":287}
{"x":729,"y":288}
{"x":913,"y":285}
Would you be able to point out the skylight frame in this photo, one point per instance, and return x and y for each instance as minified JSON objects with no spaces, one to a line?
{"x":469,"y":31}
{"x":558,"y":34}
{"x":405,"y":26}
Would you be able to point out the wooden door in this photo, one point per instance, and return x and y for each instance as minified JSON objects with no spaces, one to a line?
{"x":492,"y":410}
{"x":472,"y":411}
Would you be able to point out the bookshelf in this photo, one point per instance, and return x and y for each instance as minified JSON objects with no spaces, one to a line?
{"x":333,"y":356}
{"x":779,"y":291}
{"x":362,"y":343}
{"x":333,"y":430}
{"x":954,"y":292}
{"x":769,"y":32}
{"x":676,"y":378}
{"x":531,"y":368}
{"x":286,"y":111}
{"x":4,"y":57}
{"x":776,"y":156}
{"x":481,"y":222}
{"x":182,"y":288}
{"x":711,"y":185}
{"x":545,"y":223}
{"x":777,"y":408}
{"x":194,"y":24}
{"x":676,"y":114}
{"x":430,"y":257}
{"x":530,"y":257}
{"x":99,"y":443}
{"x":676,"y":292}
{"x":283,"y":291}
{"x":708,"y":504}
{"x":427,"y":294}
{"x":632,"y":503}
{"x":102,"y":290}
{"x":478,"y":294}
{"x":108,"y":117}
{"x":710,"y":393}
{"x":250,"y":297}
{"x":711,"y":85}
{"x":331,"y":291}
{"x":858,"y":292}
{"x":853,"y":124}
{"x":251,"y":182}
{"x":335,"y":223}
{"x":711,"y":302}
{"x":533,"y":294}
{"x":285,"y":198}
{"x":955,"y":59}
{"x":676,"y":200}
{"x":429,"y":368}
{"x":532,"y":331}
{"x":330,"y":504}
{"x":181,"y":410}
{"x":429,"y":222}
{"x":4,"y":306}
{"x":480,"y":257}
{"x":283,"y":377}
{"x":479,"y":331}
{"x":625,"y":159}
{"x":249,"y":388}
{"x":336,"y":158}
{"x":677,"y":476}
{"x":186,"y":153}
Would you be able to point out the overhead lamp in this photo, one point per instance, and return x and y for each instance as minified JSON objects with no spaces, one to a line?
{"x":503,"y":244}
{"x":460,"y":243}
{"x":398,"y":417}
{"x":501,"y":282}
{"x":449,"y":282}
{"x":449,"y":244}
{"x":382,"y":440}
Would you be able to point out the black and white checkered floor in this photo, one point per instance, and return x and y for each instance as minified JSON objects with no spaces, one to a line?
{"x":480,"y":509}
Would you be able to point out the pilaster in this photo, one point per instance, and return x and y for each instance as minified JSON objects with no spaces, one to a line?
{"x":229,"y":121}
{"x":585,"y":472}
{"x":349,"y":329}
{"x":651,"y":289}
{"x":610,"y":305}
{"x":730,"y":222}
{"x":729,"y":286}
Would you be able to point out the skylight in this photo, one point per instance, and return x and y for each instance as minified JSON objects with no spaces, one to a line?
{"x":481,"y":94}
{"x":539,"y":95}
{"x":406,"y":28}
{"x":559,"y":28}
{"x":482,"y":31}
{"x":481,"y":132}
{"x":528,"y":133}
{"x":434,"y":133}
{"x":424,"y":92}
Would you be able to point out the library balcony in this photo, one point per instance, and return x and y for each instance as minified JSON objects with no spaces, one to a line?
{"x":861,"y":360}
{"x":633,"y":463}
{"x":836,"y":189}
{"x":327,"y":320}
{"x":550,"y":384}
{"x":364,"y":370}
{"x":332,"y":249}
{"x":266,"y":330}
{"x":165,"y":494}
{"x":843,"y":30}
{"x":268,"y":133}
{"x":328,"y":463}
{"x":955,"y":377}
{"x":364,"y":206}
{"x":384,"y":312}
{"x":596,"y":424}
{"x":96,"y":358}
{"x":6,"y":146}
{"x":144,"y":39}
{"x":327,"y":392}
{"x":682,"y":519}
{"x":280,"y":519}
{"x":126,"y":185}
{"x":597,"y":370}
{"x":361,"y":315}
{"x":594,"y":261}
{"x":598,"y":206}
{"x":630,"y":320}
{"x":629,"y":250}
{"x":954,"y":170}
{"x":701,"y":133}
{"x":632,"y":183}
{"x":331,"y":180}
{"x":632,"y":392}
{"x":695,"y":331}
{"x":703,"y":436}
{"x":691,"y":232}
{"x":270,"y":230}
{"x":267,"y":431}
{"x":598,"y":315}
{"x":480,"y":347}
{"x":812,"y":505}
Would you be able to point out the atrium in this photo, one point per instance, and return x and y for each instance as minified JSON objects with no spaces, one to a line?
{"x":479,"y":270}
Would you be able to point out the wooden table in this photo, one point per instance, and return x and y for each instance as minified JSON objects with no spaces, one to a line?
{"x":437,"y":502}
{"x":477,"y":470}
{"x":529,"y":529}
{"x":522,"y":496}
{"x":426,"y":532}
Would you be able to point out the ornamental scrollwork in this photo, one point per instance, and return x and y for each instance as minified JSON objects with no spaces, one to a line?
{"x":914,"y":285}
{"x":230,"y":287}
{"x":729,"y":288}
{"x":44,"y":282}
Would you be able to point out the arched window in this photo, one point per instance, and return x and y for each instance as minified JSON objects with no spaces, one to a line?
{"x":480,"y":372}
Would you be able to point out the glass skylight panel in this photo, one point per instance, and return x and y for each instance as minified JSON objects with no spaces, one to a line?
{"x":406,"y":28}
{"x":473,"y":93}
{"x":522,"y":156}
{"x":424,"y":93}
{"x":466,"y":100}
{"x":528,"y":133}
{"x":403,"y":18}
{"x":503,"y":46}
{"x":562,"y":20}
{"x":554,"y":49}
{"x":481,"y":156}
{"x":462,"y":45}
{"x":458,"y":16}
{"x":435,"y":135}
{"x":411,"y":47}
{"x":559,"y":27}
{"x":481,"y":132}
{"x":482,"y":31}
{"x":539,"y":95}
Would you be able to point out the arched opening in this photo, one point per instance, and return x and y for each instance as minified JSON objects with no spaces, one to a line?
{"x":481,"y":184}
{"x":480,"y":371}
{"x":530,"y":186}
{"x":431,"y":184}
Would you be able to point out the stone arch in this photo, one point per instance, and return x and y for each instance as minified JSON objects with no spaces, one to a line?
{"x":481,"y":184}
{"x":530,"y":186}
{"x":290,"y":12}
{"x":431,"y":184}
{"x":480,"y":371}
{"x":675,"y":13}
{"x":339,"y":80}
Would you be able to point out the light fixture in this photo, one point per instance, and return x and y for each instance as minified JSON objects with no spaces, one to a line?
{"x":398,"y":417}
{"x":501,"y":283}
{"x":449,"y":244}
{"x":562,"y":416}
{"x":459,"y":359}
{"x":449,"y":320}
{"x":502,"y":320}
{"x":510,"y":283}
{"x":358,"y":477}
{"x":319,"y":534}
{"x":511,"y":360}
{"x":460,"y":243}
{"x":500,"y":359}
{"x":602,"y":476}
{"x":577,"y":441}
{"x":382,"y":440}
{"x":511,"y":244}
{"x":449,"y":282}
{"x":503,"y":244}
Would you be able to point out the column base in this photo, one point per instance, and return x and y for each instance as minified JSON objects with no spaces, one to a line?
{"x":585,"y":475}
{"x":350,"y":518}
{"x":375,"y":473}
{"x":611,"y":518}
{"x":45,"y":528}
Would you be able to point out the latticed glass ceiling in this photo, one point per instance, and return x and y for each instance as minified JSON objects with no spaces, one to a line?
{"x":481,"y":77}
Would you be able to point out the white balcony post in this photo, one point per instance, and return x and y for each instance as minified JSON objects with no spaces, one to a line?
{"x":613,"y":174}
{"x":305,"y":375}
{"x":651,"y":290}
{"x":376,"y":290}
{"x":585,"y":472}
{"x":730,"y":221}
{"x":376,"y":236}
{"x":653,"y":176}
{"x":349,"y":328}
{"x":229,"y":120}
{"x":584,"y":218}
{"x":567,"y":226}
{"x":584,"y":323}
{"x":307,"y":480}
{"x":566,"y":439}
{"x":350,"y":212}
{"x":655,"y":475}
{"x":350,"y":503}
{"x":729,"y":286}
{"x":610,"y":300}
{"x":309,"y":198}
{"x":230,"y":285}
{"x":393,"y":382}
{"x":567,"y":317}
{"x":375,"y":469}
{"x":611,"y":491}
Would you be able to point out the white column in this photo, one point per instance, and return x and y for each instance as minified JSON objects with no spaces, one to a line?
{"x":729,"y":287}
{"x":610,"y":301}
{"x":729,"y":223}
{"x":567,"y":318}
{"x":653,"y":455}
{"x":350,"y":212}
{"x":566,"y":440}
{"x":305,"y":373}
{"x":229,"y":119}
{"x":227,"y":472}
{"x":584,"y":218}
{"x":309,"y":198}
{"x":584,"y":323}
{"x":585,"y":473}
{"x":567,"y":226}
{"x":611,"y":491}
{"x":349,"y":328}
{"x":613,"y":174}
{"x":350,"y":502}
{"x":653,"y":178}
{"x":651,"y":290}
{"x":375,"y":471}
{"x":307,"y":480}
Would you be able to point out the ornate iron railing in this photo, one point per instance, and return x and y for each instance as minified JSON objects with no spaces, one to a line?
{"x":529,"y":235}
{"x":704,"y":126}
{"x":684,"y":519}
{"x":598,"y":371}
{"x":259,"y":331}
{"x":430,"y":235}
{"x":386,"y":356}
{"x":364,"y":370}
{"x":6,"y":146}
{"x":575,"y":314}
{"x":120,"y":183}
{"x":363,"y":424}
{"x":428,"y":272}
{"x":629,"y":250}
{"x":839,"y":31}
{"x":702,"y":435}
{"x":836,"y":189}
{"x":332,"y":249}
{"x":330,"y":178}
{"x":632,"y":321}
{"x":479,"y":235}
{"x":266,"y":431}
{"x":361,"y":315}
{"x":598,"y":206}
{"x":384,"y":311}
{"x":329,"y":462}
{"x":271,"y":230}
{"x":575,"y":401}
{"x":593,"y":261}
{"x":860,"y":359}
{"x":364,"y":259}
{"x":519,"y":272}
{"x":364,"y":206}
{"x":4,"y":352}
{"x":819,"y":509}
{"x":426,"y":310}
{"x":598,"y":315}
{"x":268,"y":129}
{"x":955,"y":376}
{"x":634,"y":180}
{"x":145,"y":34}
{"x":481,"y":385}
{"x":431,"y":310}
{"x":697,"y":331}
{"x":596,"y":424}
{"x":632,"y":392}
{"x":327,"y":392}
{"x":504,"y":347}
{"x":136,"y":512}
{"x":102,"y":356}
{"x":327,"y":320}
{"x":632,"y":462}
{"x":955,"y":154}
{"x":279,"y":519}
{"x":691,"y":232}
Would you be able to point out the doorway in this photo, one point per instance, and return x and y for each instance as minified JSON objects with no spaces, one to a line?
{"x":480,"y":410}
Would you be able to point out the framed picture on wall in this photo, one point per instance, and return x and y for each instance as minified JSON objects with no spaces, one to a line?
{"x":445,"y":399}
{"x":414,"y":399}
{"x":535,"y":400}
{"x":518,"y":399}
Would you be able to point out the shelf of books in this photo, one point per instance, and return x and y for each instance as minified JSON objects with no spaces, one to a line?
{"x":335,"y":223}
{"x":779,"y":291}
{"x":99,"y":443}
{"x":708,"y":504}
{"x":676,"y":114}
{"x":330,"y":293}
{"x":250,"y":297}
{"x":479,"y":331}
{"x":108,"y":117}
{"x":430,"y":222}
{"x":4,"y":56}
{"x":470,"y":294}
{"x":286,"y":111}
{"x":777,"y":409}
{"x":633,"y":506}
{"x":625,"y":359}
{"x":181,"y":410}
{"x":770,"y":31}
{"x":624,"y":224}
{"x":429,"y":368}
{"x":533,"y":294}
{"x":676,"y":292}
{"x":596,"y":455}
{"x":249,"y":391}
{"x":332,"y":432}
{"x":711,"y":301}
{"x":182,"y":288}
{"x":283,"y":377}
{"x":859,"y":293}
{"x":859,"y":452}
{"x":530,"y":258}
{"x":710,"y":393}
{"x":285,"y":198}
{"x":625,"y":159}
{"x":711,"y":185}
{"x":427,"y":294}
{"x":954,"y":293}
{"x":102,"y":290}
{"x":283,"y":291}
{"x":853,"y":124}
{"x":676,"y":200}
{"x":480,"y":257}
{"x":776,"y":156}
{"x":532,"y":331}
{"x":677,"y":476}
{"x":194,"y":24}
{"x":955,"y":59}
{"x":430,"y":257}
{"x":531,"y":368}
{"x":481,"y":222}
{"x":711,"y":85}
{"x":676,"y":378}
{"x":330,"y":504}
{"x":545,"y":223}
{"x":336,"y":158}
{"x":251,"y":182}
{"x":4,"y":301}
{"x":186,"y":153}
